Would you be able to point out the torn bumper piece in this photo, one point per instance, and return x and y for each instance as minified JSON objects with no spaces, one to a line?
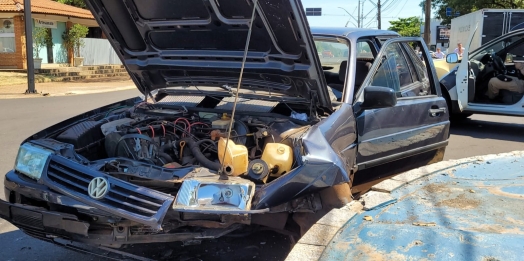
{"x":47,"y":225}
{"x":139,"y":204}
{"x":37,"y":220}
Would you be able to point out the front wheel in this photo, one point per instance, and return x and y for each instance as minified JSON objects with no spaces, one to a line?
{"x":459,"y":116}
{"x":453,"y":116}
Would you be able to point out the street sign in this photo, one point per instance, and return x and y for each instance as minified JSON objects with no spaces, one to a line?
{"x":448,"y":11}
{"x":457,"y":13}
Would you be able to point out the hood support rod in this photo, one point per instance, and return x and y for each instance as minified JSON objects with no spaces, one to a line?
{"x":221,"y":171}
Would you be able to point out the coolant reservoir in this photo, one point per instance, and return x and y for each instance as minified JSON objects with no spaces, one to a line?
{"x":236,"y":157}
{"x":278,"y":155}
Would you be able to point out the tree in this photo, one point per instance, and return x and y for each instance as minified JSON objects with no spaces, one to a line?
{"x":406,"y":26}
{"x":466,"y":7}
{"x":40,"y":39}
{"x":77,"y":3}
{"x":73,"y":38}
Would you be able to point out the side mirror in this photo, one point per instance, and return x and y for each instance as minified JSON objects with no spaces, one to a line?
{"x":452,"y":58}
{"x":378,"y":97}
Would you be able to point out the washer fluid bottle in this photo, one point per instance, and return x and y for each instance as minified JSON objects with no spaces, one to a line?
{"x":236,"y":160}
{"x":279,"y":158}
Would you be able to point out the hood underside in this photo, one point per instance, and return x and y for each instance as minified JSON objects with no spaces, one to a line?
{"x":201,"y":42}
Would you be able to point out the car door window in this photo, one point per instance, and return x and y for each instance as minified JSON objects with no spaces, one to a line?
{"x":393,"y":71}
{"x":333,"y":55}
{"x":421,"y":85}
{"x":364,"y":50}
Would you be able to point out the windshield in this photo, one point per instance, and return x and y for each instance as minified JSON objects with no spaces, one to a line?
{"x":503,"y":46}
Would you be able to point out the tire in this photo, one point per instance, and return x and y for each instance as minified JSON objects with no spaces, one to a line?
{"x":453,"y":116}
{"x":460,"y":116}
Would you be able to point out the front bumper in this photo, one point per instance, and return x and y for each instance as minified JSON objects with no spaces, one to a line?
{"x":48,"y":225}
{"x":40,"y":222}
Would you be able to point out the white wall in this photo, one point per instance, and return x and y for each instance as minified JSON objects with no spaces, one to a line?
{"x":98,"y":52}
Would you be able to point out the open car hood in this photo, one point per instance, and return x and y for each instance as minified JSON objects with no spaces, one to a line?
{"x":201,"y":42}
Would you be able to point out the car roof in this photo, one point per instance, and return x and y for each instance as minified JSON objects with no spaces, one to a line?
{"x":351,"y":33}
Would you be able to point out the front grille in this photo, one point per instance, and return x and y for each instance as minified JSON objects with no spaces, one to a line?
{"x":123,"y":199}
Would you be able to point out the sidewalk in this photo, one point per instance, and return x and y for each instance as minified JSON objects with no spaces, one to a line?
{"x":468,"y":209}
{"x":67,"y":88}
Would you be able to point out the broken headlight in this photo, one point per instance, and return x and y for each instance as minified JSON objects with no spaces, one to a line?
{"x":31,"y":160}
{"x":210,"y":193}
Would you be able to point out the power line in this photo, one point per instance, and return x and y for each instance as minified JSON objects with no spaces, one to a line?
{"x":405,"y":2}
{"x":389,"y":6}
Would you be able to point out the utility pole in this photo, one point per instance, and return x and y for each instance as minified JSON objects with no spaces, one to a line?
{"x":378,"y":14}
{"x":427,"y":22}
{"x":362,"y":14}
{"x":29,"y":47}
{"x":358,"y":22}
{"x":351,"y":16}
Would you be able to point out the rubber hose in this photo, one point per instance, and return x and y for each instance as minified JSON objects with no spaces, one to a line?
{"x":206,"y":140}
{"x":200,"y":157}
{"x":166,"y":157}
{"x":166,"y":146}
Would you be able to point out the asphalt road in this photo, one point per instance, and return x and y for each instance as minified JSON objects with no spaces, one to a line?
{"x":22,"y":117}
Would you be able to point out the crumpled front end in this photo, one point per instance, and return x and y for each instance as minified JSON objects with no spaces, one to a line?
{"x":151,"y":178}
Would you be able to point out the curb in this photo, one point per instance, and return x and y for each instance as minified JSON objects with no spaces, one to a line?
{"x":311,"y":246}
{"x":68,"y":93}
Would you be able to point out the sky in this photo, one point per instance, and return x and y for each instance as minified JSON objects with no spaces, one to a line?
{"x":336,"y":17}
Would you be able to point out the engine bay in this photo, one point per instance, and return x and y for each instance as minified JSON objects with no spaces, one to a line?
{"x":260,"y":148}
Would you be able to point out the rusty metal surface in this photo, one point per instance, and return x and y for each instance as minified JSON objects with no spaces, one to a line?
{"x":474,"y":211}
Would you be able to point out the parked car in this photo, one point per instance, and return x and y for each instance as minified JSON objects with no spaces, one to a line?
{"x":465,"y":86}
{"x":442,"y":67}
{"x":162,"y":168}
{"x":327,"y":54}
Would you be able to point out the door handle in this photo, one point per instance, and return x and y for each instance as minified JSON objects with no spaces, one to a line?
{"x":434,"y":112}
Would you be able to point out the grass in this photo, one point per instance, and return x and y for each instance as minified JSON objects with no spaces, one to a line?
{"x":14,"y":78}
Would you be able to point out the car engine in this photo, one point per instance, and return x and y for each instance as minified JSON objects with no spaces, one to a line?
{"x":259,"y":148}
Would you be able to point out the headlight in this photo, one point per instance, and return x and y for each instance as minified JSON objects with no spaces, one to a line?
{"x":31,"y":160}
{"x":212,"y":194}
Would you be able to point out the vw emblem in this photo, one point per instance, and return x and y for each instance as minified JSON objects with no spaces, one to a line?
{"x":98,"y":188}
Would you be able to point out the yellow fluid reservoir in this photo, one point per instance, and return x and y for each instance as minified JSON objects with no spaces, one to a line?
{"x":278,"y":155}
{"x":236,"y":157}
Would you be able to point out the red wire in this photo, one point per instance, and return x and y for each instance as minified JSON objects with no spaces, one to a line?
{"x":187,"y":126}
{"x":138,"y":130}
{"x":152,"y":130}
{"x":200,"y":123}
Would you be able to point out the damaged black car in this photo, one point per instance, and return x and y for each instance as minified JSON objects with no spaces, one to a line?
{"x":241,"y":123}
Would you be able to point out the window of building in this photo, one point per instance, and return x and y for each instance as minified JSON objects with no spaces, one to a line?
{"x":313,"y":11}
{"x":7,"y":36}
{"x":94,"y":32}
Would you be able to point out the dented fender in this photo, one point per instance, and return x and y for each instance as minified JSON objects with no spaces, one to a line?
{"x":328,"y":159}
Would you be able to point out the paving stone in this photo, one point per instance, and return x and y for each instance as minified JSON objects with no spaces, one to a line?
{"x":375,"y":199}
{"x":387,"y":185}
{"x":337,"y":217}
{"x":319,"y":235}
{"x":411,"y":175}
{"x":303,"y":252}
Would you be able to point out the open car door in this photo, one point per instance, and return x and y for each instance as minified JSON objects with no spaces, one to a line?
{"x":465,"y":75}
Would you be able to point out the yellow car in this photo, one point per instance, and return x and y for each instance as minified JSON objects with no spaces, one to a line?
{"x":442,"y":67}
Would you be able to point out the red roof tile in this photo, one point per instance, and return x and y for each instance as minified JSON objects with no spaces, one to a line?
{"x":45,"y":7}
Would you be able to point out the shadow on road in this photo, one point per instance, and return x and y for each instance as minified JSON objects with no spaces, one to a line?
{"x":488,"y":130}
